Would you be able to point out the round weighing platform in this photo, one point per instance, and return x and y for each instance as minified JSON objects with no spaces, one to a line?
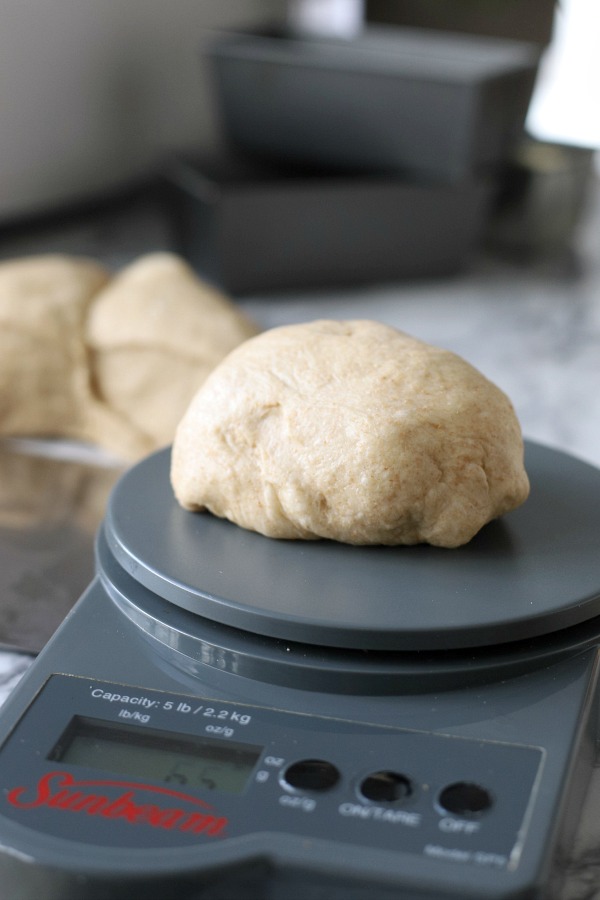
{"x":534,"y":572}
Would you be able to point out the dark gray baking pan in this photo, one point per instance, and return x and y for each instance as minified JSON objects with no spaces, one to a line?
{"x":252,"y":228}
{"x":423,"y":102}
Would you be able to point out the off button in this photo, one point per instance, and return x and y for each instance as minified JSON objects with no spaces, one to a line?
{"x":311,"y":775}
{"x":464,"y":798}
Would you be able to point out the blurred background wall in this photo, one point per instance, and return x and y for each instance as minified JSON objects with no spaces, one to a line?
{"x":92,"y":92}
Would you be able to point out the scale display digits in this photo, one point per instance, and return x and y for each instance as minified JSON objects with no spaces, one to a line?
{"x":189,"y":760}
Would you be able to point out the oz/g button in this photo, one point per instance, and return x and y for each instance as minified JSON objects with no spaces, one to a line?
{"x":311,"y":775}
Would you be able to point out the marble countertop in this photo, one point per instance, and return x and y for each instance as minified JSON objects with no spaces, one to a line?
{"x":534,"y":329}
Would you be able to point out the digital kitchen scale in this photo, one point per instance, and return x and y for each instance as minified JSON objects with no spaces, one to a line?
{"x":224,"y":715}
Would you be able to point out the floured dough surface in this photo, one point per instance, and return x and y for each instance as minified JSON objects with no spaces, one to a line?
{"x":111,"y":360}
{"x":154,"y":333}
{"x":351,"y":431}
{"x":44,"y":379}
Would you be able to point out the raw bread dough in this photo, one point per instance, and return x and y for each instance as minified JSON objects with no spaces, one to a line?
{"x":351,"y":431}
{"x":46,"y":386}
{"x":155,"y":332}
{"x":44,"y":378}
{"x":111,"y":361}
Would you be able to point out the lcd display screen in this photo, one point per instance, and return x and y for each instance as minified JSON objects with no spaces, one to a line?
{"x":191,"y":760}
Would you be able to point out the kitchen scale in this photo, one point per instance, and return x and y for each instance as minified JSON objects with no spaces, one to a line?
{"x":223,"y":715}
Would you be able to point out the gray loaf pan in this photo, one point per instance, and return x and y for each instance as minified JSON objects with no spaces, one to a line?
{"x":427,"y":103}
{"x":250,"y":227}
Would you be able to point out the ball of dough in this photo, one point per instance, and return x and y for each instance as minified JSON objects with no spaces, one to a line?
{"x":351,"y":431}
{"x":44,"y":383}
{"x":154,"y":334}
{"x":46,"y":387}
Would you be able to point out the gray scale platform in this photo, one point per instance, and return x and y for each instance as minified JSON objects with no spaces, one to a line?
{"x":534,"y":572}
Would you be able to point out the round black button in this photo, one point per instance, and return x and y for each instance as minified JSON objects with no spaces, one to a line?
{"x":386,"y":787}
{"x":464,"y":798}
{"x":311,"y":775}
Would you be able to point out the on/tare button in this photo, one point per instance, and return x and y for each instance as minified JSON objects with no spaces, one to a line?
{"x":386,"y":787}
{"x":311,"y":775}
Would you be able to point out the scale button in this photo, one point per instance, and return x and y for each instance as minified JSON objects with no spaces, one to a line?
{"x":386,"y":787}
{"x":311,"y":775}
{"x":465,"y":798}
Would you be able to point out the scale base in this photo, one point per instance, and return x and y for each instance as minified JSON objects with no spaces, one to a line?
{"x":261,"y":730}
{"x":445,"y":855}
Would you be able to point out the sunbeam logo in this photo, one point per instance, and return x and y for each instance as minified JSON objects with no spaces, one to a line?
{"x":60,"y":791}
